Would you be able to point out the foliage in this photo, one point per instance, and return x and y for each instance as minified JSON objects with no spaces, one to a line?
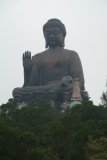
{"x":97,"y":149}
{"x":40,"y":132}
{"x":104,"y":97}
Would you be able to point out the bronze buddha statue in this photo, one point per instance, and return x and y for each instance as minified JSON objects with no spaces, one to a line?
{"x":45,"y":71}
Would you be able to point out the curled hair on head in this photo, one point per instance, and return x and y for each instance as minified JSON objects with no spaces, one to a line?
{"x":57,"y":23}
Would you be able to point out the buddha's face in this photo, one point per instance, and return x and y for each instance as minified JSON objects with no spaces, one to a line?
{"x":54,"y":37}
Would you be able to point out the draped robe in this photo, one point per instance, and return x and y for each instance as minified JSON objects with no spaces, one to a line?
{"x":48,"y":68}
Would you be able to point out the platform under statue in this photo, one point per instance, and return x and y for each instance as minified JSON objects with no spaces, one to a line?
{"x":50,"y":74}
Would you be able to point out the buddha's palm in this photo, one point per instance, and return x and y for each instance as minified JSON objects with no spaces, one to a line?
{"x":27,"y":61}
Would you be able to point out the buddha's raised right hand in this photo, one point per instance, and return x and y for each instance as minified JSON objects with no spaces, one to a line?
{"x":27,"y":61}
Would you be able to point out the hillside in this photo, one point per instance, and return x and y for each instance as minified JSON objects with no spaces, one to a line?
{"x":40,"y":132}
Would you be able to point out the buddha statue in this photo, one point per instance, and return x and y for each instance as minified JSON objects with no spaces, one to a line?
{"x":52,"y":71}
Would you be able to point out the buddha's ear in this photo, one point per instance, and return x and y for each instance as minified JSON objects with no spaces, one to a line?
{"x":46,"y":44}
{"x":63,"y":42}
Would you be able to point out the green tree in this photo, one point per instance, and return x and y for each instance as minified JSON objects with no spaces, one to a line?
{"x":96,"y":149}
{"x":41,"y":132}
{"x":104,"y":97}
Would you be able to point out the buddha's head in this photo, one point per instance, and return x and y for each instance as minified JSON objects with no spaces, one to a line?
{"x":54,"y":33}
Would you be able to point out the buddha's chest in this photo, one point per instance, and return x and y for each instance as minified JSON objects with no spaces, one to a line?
{"x":52,"y":62}
{"x":53,"y":67}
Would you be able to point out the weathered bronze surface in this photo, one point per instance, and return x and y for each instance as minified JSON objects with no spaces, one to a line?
{"x":43,"y":72}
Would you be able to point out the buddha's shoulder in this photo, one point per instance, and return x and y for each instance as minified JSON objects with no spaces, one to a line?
{"x":47,"y":52}
{"x":38,"y":55}
{"x":71,"y":52}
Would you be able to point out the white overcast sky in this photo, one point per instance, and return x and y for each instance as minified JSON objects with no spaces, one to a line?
{"x":21,"y":24}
